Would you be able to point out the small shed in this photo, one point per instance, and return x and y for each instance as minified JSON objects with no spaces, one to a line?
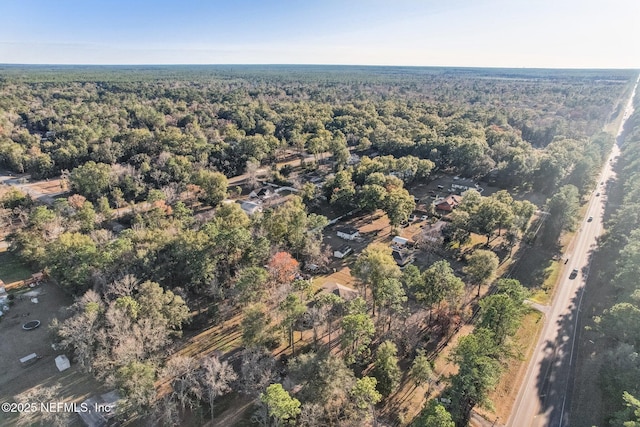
{"x":62,"y":363}
{"x":462,"y":185}
{"x":347,"y":233}
{"x":29,"y":359}
{"x":342,"y":251}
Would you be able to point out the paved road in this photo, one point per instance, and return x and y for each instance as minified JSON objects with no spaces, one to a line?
{"x":544,"y":396}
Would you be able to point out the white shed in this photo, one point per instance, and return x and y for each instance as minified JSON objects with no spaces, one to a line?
{"x":62,"y":363}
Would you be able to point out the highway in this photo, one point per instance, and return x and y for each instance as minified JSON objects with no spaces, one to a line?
{"x":544,"y":397}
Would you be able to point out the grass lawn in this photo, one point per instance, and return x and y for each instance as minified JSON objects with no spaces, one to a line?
{"x":12,"y":269}
{"x":544,"y":294}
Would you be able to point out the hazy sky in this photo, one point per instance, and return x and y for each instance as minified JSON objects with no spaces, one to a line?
{"x":498,"y":33}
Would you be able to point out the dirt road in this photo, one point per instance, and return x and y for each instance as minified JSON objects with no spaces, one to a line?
{"x":43,"y":191}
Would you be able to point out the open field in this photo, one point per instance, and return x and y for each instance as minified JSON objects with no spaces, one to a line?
{"x":16,"y":380}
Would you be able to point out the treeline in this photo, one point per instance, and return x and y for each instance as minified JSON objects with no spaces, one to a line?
{"x":481,"y":357}
{"x":619,"y":323}
{"x":578,"y":174}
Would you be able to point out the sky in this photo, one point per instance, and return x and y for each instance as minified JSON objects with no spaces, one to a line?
{"x":471,"y":33}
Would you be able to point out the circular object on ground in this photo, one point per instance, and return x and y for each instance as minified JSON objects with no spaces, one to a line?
{"x":32,"y":324}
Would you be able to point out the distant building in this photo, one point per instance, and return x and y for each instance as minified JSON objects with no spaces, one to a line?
{"x":449,"y":203}
{"x":342,"y":251}
{"x":344,"y":292}
{"x":347,"y":233}
{"x":100,"y":409}
{"x":402,"y":258}
{"x":433,"y":232}
{"x":250,"y":208}
{"x":399,"y":243}
{"x":462,"y":185}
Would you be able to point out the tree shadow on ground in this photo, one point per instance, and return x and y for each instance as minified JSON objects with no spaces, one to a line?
{"x":535,"y":264}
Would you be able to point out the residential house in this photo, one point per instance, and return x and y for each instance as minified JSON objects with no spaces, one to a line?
{"x":402,"y":258}
{"x":261,"y":193}
{"x":433,"y":232}
{"x":449,"y":203}
{"x":344,"y":292}
{"x":347,"y":232}
{"x":250,"y":208}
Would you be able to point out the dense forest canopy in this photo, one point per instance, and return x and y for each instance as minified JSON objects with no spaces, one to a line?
{"x":474,"y":121}
{"x":154,"y":229}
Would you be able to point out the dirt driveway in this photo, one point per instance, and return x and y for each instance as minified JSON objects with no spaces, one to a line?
{"x":16,"y":343}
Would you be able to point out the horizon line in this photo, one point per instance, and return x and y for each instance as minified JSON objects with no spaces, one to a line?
{"x":2,"y":64}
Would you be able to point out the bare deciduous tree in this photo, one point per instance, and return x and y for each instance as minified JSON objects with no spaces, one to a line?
{"x":165,"y":413}
{"x":43,"y":395}
{"x":252,"y":173}
{"x":256,"y":370}
{"x":312,"y":415}
{"x":122,"y":287}
{"x":183,"y":374}
{"x":216,"y":377}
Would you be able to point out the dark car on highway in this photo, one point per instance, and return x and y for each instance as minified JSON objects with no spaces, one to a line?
{"x":573,"y":274}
